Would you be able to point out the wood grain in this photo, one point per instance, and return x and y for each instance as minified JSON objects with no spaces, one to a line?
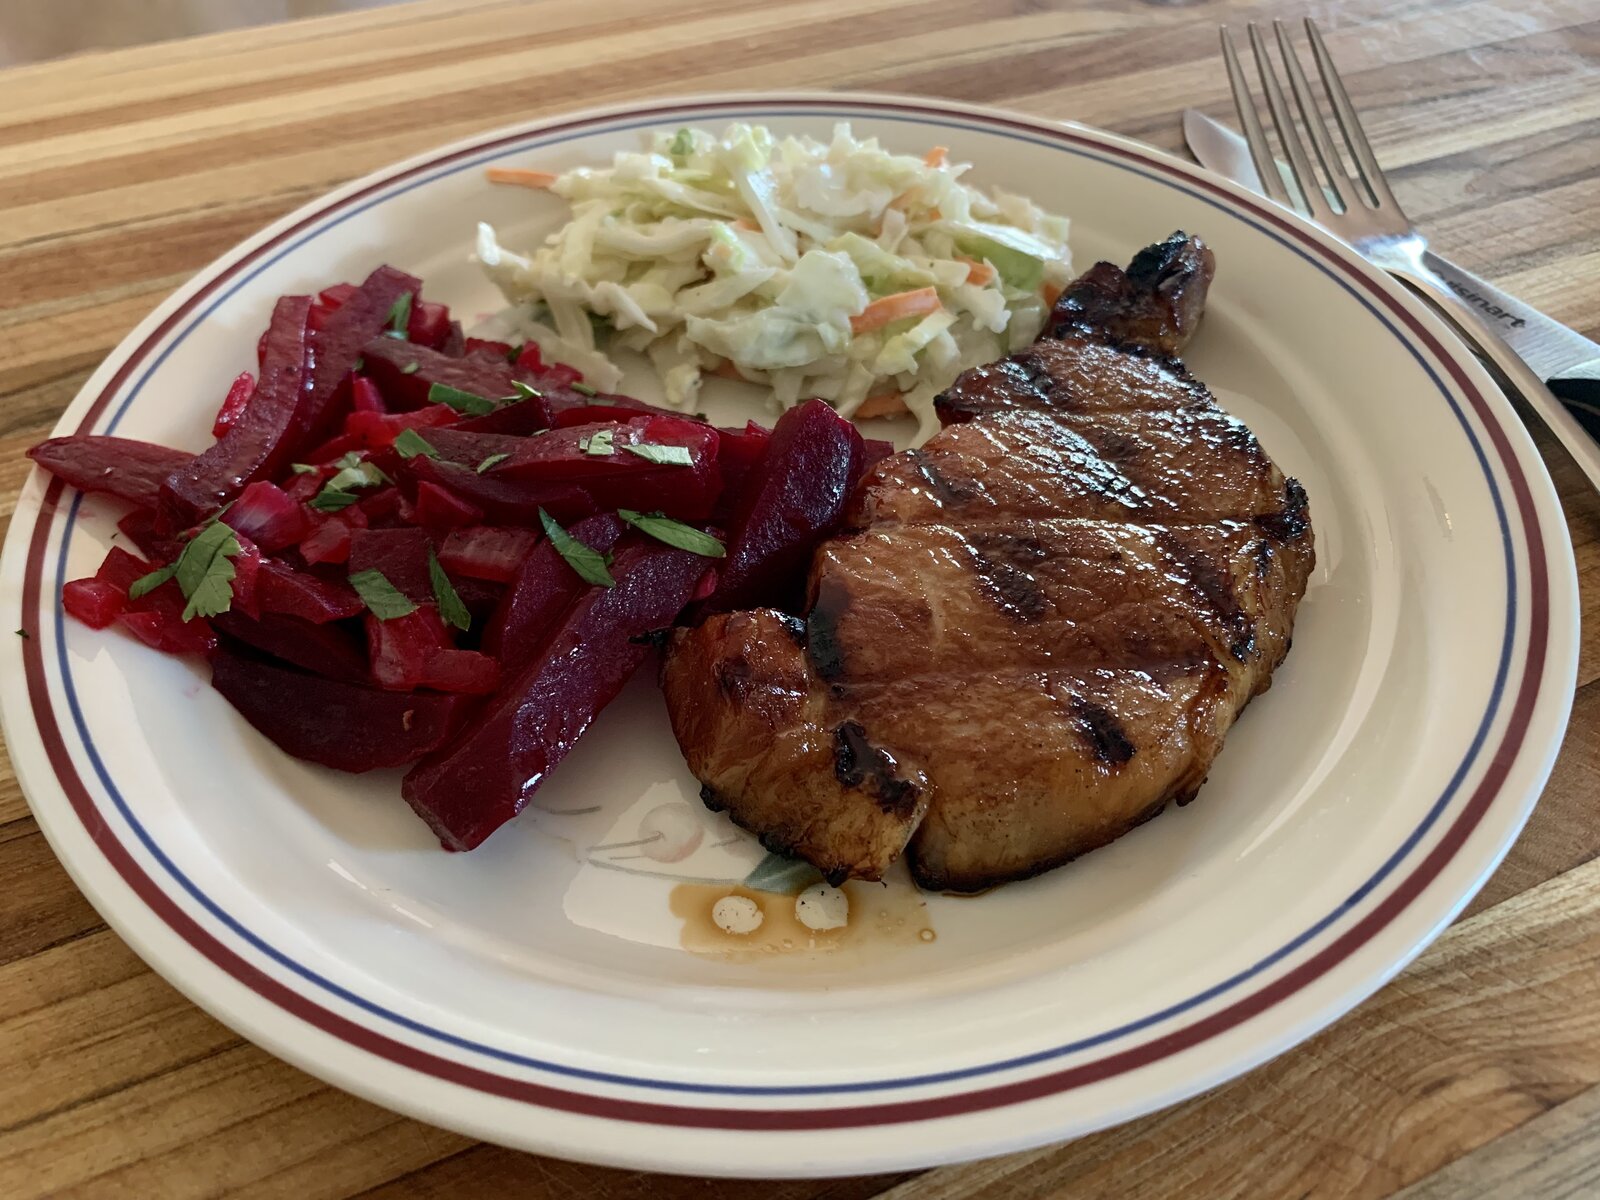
{"x":1476,"y":1073}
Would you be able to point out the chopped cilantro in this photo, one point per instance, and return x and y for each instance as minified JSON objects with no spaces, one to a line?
{"x":597,"y":445}
{"x":303,"y":468}
{"x":585,"y":389}
{"x":332,"y":499}
{"x":462,"y":402}
{"x":589,"y":563}
{"x":146,"y":584}
{"x":204,"y":574}
{"x":450,"y":607}
{"x":400,"y":316}
{"x":672,"y":456}
{"x":526,"y":391}
{"x":409,"y":369}
{"x":492,"y":461}
{"x":382,"y":598}
{"x":408,"y":443}
{"x":673,"y":533}
{"x":339,"y":492}
{"x":682,"y":144}
{"x":24,"y":634}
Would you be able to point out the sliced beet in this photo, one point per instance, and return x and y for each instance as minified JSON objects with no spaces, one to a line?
{"x":401,"y":555}
{"x":466,"y":671}
{"x":377,"y":431}
{"x":792,"y":500}
{"x":246,"y":575}
{"x":329,"y":541}
{"x":554,"y":384}
{"x":429,"y":324}
{"x":540,"y":591}
{"x":169,"y":633}
{"x":401,"y":648}
{"x":139,"y":527}
{"x":561,"y":453}
{"x":489,"y":552}
{"x":156,"y":618}
{"x":280,"y":588}
{"x":556,"y":472}
{"x":388,"y":362}
{"x":262,"y":441}
{"x":557,"y":375}
{"x":329,"y":650}
{"x":481,"y":596}
{"x":121,"y":569}
{"x":234,"y":403}
{"x":484,"y":776}
{"x":268,"y":516}
{"x":586,"y":410}
{"x":499,"y":501}
{"x":739,"y":451}
{"x":339,"y":293}
{"x":344,"y":725}
{"x":343,"y":340}
{"x":129,"y":470}
{"x":438,"y":510}
{"x":384,"y":507}
{"x":873,"y":451}
{"x":93,"y":601}
{"x":487,"y":348}
{"x":365,"y":396}
{"x":522,"y":419}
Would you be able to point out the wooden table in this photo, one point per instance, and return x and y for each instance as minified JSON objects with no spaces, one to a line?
{"x":1476,"y":1073}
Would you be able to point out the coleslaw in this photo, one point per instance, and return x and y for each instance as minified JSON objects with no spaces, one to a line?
{"x":835,"y":269}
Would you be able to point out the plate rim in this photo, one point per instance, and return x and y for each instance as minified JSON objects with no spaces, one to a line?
{"x":113,"y":374}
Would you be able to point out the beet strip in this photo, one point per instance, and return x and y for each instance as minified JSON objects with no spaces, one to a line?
{"x":485,"y":775}
{"x":340,"y":342}
{"x":260,"y":443}
{"x":129,"y":470}
{"x":339,"y":724}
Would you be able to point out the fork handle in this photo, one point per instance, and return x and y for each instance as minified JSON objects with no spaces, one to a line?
{"x":1511,"y":370}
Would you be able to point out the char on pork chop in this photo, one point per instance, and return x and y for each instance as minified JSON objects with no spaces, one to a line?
{"x":1033,"y":632}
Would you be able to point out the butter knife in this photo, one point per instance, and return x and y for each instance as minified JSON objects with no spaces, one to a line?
{"x":1568,"y":362}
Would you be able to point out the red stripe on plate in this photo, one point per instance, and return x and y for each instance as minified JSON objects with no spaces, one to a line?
{"x":744,"y":1118}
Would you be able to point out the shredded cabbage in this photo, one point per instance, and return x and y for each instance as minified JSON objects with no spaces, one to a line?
{"x":769,"y":254}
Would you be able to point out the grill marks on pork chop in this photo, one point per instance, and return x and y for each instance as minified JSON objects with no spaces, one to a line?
{"x":1034,"y":632}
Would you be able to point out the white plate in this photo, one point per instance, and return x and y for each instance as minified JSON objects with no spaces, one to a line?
{"x":515,"y":994}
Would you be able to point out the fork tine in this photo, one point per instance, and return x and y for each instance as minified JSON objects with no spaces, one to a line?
{"x":1299,"y":164}
{"x":1254,"y":135}
{"x":1366,"y":162}
{"x":1311,"y":118}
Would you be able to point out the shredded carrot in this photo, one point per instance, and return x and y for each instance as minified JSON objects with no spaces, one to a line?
{"x":887,"y":309}
{"x":521,"y":176}
{"x":980,"y":272}
{"x":1051,"y":294}
{"x":935,"y":215}
{"x":937,"y":157}
{"x":727,"y":370}
{"x":882,"y":404}
{"x":745,"y":223}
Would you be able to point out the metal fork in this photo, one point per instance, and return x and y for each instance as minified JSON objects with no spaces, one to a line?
{"x":1361,"y":211}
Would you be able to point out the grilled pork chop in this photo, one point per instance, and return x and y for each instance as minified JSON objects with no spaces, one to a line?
{"x":1034,"y":632}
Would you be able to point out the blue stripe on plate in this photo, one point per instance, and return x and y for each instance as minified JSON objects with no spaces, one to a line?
{"x":618,"y":125}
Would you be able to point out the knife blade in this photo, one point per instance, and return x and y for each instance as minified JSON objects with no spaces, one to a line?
{"x":1568,"y":362}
